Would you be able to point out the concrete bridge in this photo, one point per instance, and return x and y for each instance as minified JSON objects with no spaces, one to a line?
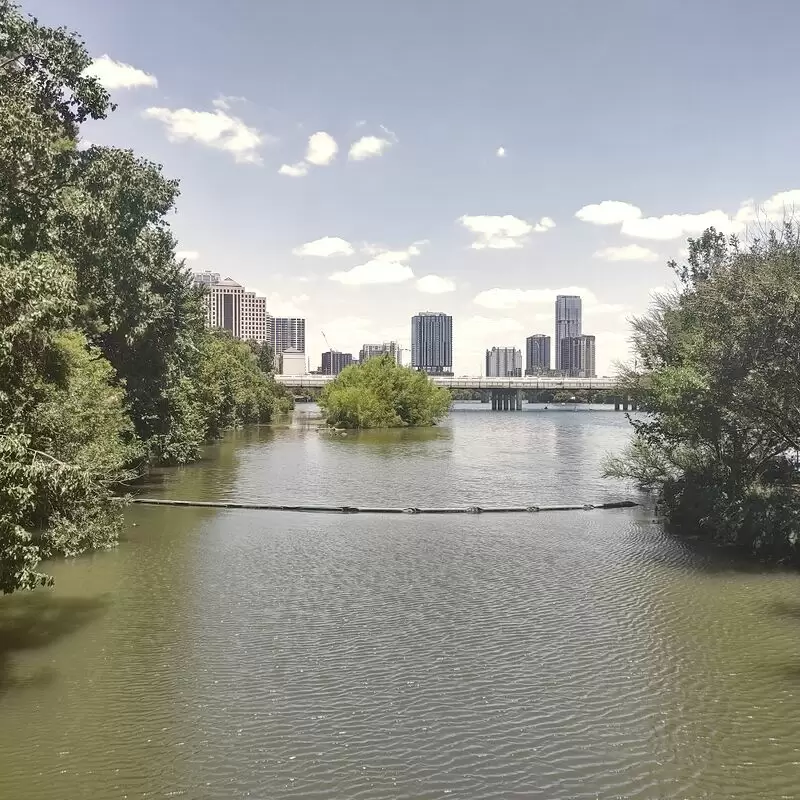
{"x":506,"y":393}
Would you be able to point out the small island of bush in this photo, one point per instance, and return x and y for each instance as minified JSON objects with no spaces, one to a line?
{"x":381,"y":394}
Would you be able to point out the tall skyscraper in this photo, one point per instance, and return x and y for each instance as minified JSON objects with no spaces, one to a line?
{"x":568,"y":323}
{"x":230,"y":307}
{"x":504,"y":362}
{"x":371,"y":350}
{"x":577,"y":356}
{"x":290,"y":333}
{"x":537,"y":354}
{"x":333,"y":362}
{"x":432,"y":343}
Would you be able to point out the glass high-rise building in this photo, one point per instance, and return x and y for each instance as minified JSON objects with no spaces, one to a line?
{"x":432,"y":343}
{"x":333,"y":362}
{"x":504,"y":362}
{"x":577,"y":356}
{"x":290,"y":333}
{"x":369,"y":351}
{"x":537,"y":354}
{"x":568,"y":324}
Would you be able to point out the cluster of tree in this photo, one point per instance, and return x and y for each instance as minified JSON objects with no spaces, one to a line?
{"x":105,"y":361}
{"x":719,"y":360}
{"x":381,"y":394}
{"x":467,"y":394}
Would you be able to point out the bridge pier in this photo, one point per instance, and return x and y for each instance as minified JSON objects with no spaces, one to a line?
{"x":626,"y":403}
{"x":507,"y":399}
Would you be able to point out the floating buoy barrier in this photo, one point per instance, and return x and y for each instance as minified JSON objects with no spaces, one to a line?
{"x":150,"y":501}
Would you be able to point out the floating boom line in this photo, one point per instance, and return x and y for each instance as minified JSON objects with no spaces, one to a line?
{"x":150,"y":501}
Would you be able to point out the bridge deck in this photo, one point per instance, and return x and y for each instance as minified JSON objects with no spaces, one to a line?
{"x":524,"y":384}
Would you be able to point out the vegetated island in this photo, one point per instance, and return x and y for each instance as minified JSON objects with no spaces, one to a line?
{"x":382,"y":394}
{"x":718,"y":371}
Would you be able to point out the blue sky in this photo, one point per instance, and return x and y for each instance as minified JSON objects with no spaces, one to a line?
{"x":625,"y":126}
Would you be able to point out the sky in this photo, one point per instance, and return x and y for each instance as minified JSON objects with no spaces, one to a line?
{"x":358,"y":162}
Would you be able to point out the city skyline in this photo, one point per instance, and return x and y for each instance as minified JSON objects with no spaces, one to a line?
{"x":432,"y":339}
{"x":350,"y":198}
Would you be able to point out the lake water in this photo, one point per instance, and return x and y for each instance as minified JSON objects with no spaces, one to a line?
{"x":223,"y":654}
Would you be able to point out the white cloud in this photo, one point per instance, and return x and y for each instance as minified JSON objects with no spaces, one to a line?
{"x":633,"y":223}
{"x":215,"y":129}
{"x":629,"y":252}
{"x":281,"y":306}
{"x":502,"y":232}
{"x":500,"y":152}
{"x":187,"y":255}
{"x":379,"y":253}
{"x":322,"y":149}
{"x":780,"y":206}
{"x":511,"y":298}
{"x":224,"y":101}
{"x":375,"y":271}
{"x":368,"y":147}
{"x":325,"y":247}
{"x":434,"y":284}
{"x":84,"y":144}
{"x":294,"y":170}
{"x":609,"y":212}
{"x":117,"y":75}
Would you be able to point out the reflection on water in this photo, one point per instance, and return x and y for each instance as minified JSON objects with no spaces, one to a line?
{"x":227,"y":654}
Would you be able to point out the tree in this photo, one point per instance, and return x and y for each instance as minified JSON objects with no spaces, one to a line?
{"x":105,"y":362}
{"x":265,"y":356}
{"x":44,"y":97}
{"x":65,"y":436}
{"x":720,"y":358}
{"x":136,"y":302}
{"x":232,"y":390}
{"x":381,"y":394}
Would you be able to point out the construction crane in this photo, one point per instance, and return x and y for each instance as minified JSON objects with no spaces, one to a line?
{"x":326,"y":341}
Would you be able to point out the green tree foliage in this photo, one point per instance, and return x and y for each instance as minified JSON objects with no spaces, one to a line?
{"x":265,"y":356}
{"x":232,"y":388}
{"x":43,"y":100}
{"x":65,"y":436}
{"x":136,"y":302}
{"x":105,"y":362}
{"x":381,"y":394}
{"x":720,"y":359}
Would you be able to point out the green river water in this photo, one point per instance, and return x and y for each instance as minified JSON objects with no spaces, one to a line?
{"x":243,"y":654}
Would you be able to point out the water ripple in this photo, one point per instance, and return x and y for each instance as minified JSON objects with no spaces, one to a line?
{"x":552,"y":657}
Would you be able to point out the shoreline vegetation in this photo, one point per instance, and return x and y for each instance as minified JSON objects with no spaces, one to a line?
{"x":382,"y":394}
{"x":106,"y":365}
{"x":719,"y":373}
